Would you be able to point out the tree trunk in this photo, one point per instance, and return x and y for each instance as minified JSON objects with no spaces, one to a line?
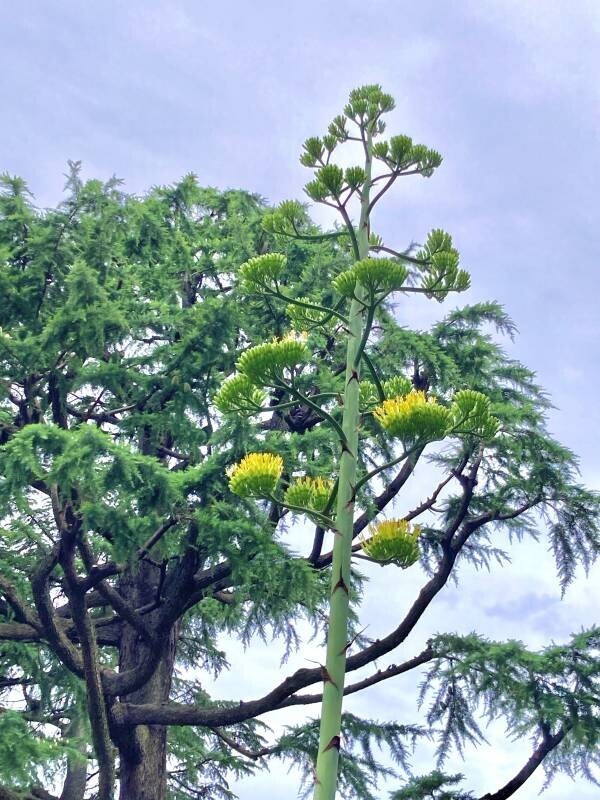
{"x":143,"y":748}
{"x":75,"y":781}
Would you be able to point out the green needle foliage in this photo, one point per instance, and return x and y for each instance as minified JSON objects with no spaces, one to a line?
{"x":432,"y":786}
{"x":206,"y":408}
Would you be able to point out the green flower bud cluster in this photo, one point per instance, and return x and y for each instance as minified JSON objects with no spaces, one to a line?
{"x":288,"y":219}
{"x":328,"y":182}
{"x":303,"y":318}
{"x":239,"y":394}
{"x":262,"y":272}
{"x":256,"y":475}
{"x":400,"y":155}
{"x":440,"y":267}
{"x":471,"y":415}
{"x":355,"y":177}
{"x":266,"y":364}
{"x":378,"y":275}
{"x":368,"y":103}
{"x":368,"y":395}
{"x":398,"y":386}
{"x":338,"y":128}
{"x":318,"y":150}
{"x":310,"y":493}
{"x":393,"y":542}
{"x":314,"y":152}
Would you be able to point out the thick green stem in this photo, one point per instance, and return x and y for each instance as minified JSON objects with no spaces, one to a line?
{"x":337,"y":635}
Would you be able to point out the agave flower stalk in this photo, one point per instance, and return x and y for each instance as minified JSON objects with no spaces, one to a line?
{"x":407,"y":415}
{"x":339,"y":604}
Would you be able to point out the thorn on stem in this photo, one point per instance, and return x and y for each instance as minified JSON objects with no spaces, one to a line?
{"x":352,"y":640}
{"x":327,"y":677}
{"x":341,"y":584}
{"x":352,"y":496}
{"x":346,"y":449}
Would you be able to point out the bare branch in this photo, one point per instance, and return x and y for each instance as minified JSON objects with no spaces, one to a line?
{"x":548,"y":743}
{"x":380,"y":675}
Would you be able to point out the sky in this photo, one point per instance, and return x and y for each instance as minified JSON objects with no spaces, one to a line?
{"x":507,"y":91}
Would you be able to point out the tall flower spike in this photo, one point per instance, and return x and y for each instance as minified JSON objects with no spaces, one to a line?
{"x":393,"y":542}
{"x":256,"y":475}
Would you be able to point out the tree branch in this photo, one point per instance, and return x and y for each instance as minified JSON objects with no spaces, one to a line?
{"x":54,"y":634}
{"x":18,"y":604}
{"x":112,"y":596}
{"x":96,"y":700}
{"x":380,"y":675}
{"x":548,"y":743}
{"x":174,"y":714}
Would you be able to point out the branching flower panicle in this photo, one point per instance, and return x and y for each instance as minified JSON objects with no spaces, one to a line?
{"x":413,"y":418}
{"x":256,"y":475}
{"x":471,"y":415}
{"x":267,"y":364}
{"x":239,"y":395}
{"x":440,"y":265}
{"x":377,"y":275}
{"x":302,"y":317}
{"x":310,"y":493}
{"x":288,"y":219}
{"x":262,"y":272}
{"x":393,"y":541}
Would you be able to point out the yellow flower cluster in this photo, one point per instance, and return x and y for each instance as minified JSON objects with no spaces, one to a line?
{"x":413,"y":417}
{"x":393,"y":542}
{"x":256,"y":475}
{"x":309,"y":493}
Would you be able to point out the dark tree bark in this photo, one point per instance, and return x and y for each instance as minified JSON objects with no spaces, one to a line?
{"x":143,"y":748}
{"x":76,"y":777}
{"x":75,"y":781}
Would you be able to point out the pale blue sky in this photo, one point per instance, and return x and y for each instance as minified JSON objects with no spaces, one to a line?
{"x":506,"y":90}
